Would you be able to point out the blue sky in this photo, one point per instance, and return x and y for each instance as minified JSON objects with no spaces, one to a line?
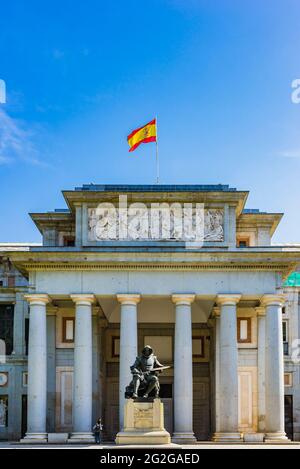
{"x":81,"y":75}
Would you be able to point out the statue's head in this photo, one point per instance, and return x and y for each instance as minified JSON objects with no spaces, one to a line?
{"x":147,"y":351}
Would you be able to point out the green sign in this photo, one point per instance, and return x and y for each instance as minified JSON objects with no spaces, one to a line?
{"x":293,"y":280}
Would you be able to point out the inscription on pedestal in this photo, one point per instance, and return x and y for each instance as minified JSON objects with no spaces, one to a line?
{"x":143,"y":424}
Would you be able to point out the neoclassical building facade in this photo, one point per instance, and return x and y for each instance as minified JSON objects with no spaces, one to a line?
{"x":186,"y":269}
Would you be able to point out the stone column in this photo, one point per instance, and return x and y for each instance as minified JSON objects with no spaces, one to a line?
{"x":51,"y":367}
{"x":274,"y":368}
{"x":19,"y":310}
{"x":228,"y":369}
{"x":37,"y":368}
{"x":183,"y":370}
{"x":261,"y":367}
{"x":216,"y":316}
{"x":82,"y":398}
{"x":128,"y":345}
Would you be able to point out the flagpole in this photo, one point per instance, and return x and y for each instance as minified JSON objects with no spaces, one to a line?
{"x":157,"y":160}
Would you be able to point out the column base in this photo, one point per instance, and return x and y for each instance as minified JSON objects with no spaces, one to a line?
{"x":81,"y":437}
{"x":183,"y":438}
{"x":35,"y":438}
{"x":273,"y":437}
{"x":231,"y":437}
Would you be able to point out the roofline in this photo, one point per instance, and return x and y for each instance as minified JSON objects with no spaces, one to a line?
{"x":76,"y":195}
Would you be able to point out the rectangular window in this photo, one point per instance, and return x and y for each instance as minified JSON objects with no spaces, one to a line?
{"x":244,"y":330}
{"x":25,"y":379}
{"x":288,"y":379}
{"x":3,"y":411}
{"x":11,"y":281}
{"x":284,"y":331}
{"x":7,"y":326}
{"x":285,"y":337}
{"x":243,"y":242}
{"x":68,"y":330}
{"x":162,"y":346}
{"x":115,"y":346}
{"x":69,"y":241}
{"x":26,"y":335}
{"x":198,"y":346}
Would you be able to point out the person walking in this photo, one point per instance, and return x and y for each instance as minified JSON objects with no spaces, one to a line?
{"x":97,"y":429}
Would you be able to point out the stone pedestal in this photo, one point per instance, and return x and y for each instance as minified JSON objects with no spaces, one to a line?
{"x":143,"y":424}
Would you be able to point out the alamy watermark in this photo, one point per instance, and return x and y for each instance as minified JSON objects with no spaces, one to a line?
{"x":295,"y":95}
{"x":2,"y":92}
{"x":155,"y":221}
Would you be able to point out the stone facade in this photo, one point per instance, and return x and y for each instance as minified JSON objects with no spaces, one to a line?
{"x":212,"y":309}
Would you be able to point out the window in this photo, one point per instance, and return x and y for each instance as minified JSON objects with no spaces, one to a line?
{"x":7,"y":326}
{"x":243,"y":242}
{"x":68,"y":330}
{"x":25,"y":379}
{"x":11,"y":282}
{"x":115,"y":346}
{"x":244,"y":330}
{"x":69,"y":241}
{"x":26,"y":335}
{"x":198,"y":346}
{"x":285,"y":337}
{"x":3,"y":411}
{"x":288,"y":379}
{"x":162,"y":346}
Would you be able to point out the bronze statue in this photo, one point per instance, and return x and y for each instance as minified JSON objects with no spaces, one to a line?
{"x":144,"y":375}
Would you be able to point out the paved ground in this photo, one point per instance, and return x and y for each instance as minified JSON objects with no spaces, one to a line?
{"x":110,"y":446}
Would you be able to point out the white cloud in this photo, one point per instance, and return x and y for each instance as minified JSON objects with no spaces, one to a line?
{"x":17,"y":141}
{"x":290,"y":154}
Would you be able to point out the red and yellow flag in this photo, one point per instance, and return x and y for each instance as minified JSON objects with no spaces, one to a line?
{"x":144,"y":134}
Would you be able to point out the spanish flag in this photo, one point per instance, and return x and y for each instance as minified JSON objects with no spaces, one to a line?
{"x":144,"y":134}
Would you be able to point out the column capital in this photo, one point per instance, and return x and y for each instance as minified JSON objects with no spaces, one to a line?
{"x":272,"y":300}
{"x":129,"y":298}
{"x":260,"y":311}
{"x":83,"y":299}
{"x":183,"y":298}
{"x":228,"y":299}
{"x":37,"y":298}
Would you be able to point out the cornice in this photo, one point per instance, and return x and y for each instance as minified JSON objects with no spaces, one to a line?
{"x":153,"y":266}
{"x":279,"y":261}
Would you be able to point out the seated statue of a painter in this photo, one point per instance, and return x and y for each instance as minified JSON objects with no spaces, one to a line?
{"x":144,"y":375}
